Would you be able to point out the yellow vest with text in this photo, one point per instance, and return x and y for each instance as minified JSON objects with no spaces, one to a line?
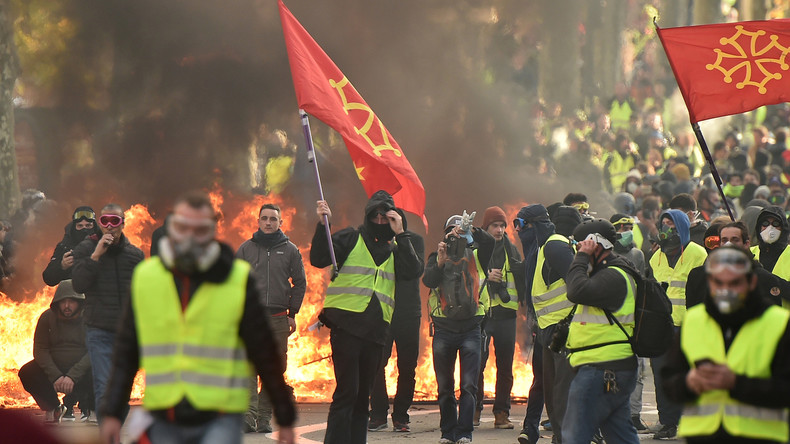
{"x":197,"y":353}
{"x":483,"y":303}
{"x":750,"y":354}
{"x":693,"y":256}
{"x":507,"y":280}
{"x":359,"y":279}
{"x":550,"y":301}
{"x":591,"y":327}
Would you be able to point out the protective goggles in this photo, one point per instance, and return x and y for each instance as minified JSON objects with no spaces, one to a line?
{"x":202,"y":230}
{"x":84,"y":214}
{"x":520,"y":223}
{"x":624,"y":221}
{"x":730,"y":259}
{"x":110,"y":220}
{"x":712,"y":242}
{"x":582,"y":207}
{"x":774,"y":222}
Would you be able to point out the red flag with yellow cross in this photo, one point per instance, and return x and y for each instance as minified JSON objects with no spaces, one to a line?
{"x":324,"y":92}
{"x":730,"y":68}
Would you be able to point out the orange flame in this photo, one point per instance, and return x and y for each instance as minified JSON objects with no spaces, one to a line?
{"x":309,"y":370}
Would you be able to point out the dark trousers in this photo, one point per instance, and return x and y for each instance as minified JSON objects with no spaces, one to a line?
{"x":406,"y":335}
{"x":456,"y":416}
{"x":535,"y":401}
{"x":35,"y":381}
{"x":669,"y":412}
{"x":355,"y":361}
{"x":557,"y":377}
{"x":504,"y":333}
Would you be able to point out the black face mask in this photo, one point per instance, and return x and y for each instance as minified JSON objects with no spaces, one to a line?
{"x":382,"y":232}
{"x":670,"y":243}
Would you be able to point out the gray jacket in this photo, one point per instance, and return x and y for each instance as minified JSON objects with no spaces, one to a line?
{"x":272,"y":267}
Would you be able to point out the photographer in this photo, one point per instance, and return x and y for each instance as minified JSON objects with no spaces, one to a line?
{"x":549,"y":296}
{"x":505,"y":283}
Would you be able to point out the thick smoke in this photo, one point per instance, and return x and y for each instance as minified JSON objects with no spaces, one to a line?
{"x":194,"y":83}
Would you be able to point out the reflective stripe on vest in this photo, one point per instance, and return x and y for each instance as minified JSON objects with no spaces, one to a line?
{"x":507,"y":280}
{"x":750,"y":354}
{"x":359,"y":279}
{"x":550,"y":301}
{"x":197,"y":353}
{"x":590,"y":326}
{"x":693,"y":256}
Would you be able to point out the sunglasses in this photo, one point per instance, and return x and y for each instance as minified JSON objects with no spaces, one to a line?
{"x":85,"y":214}
{"x":110,"y":220}
{"x":712,"y":242}
{"x":775,"y":223}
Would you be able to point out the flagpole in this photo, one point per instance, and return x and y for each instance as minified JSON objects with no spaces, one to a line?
{"x":308,"y":137}
{"x":713,"y":170}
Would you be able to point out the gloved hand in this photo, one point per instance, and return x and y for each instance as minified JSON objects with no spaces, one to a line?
{"x":466,"y":226}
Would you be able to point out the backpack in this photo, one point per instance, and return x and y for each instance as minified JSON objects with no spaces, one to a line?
{"x":458,"y":292}
{"x":654,"y":329}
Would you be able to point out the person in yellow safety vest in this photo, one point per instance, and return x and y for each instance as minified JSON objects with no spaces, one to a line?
{"x":621,"y":108}
{"x":195,"y":325}
{"x":618,"y":160}
{"x":603,"y":286}
{"x":549,"y":297}
{"x":730,"y":364}
{"x":505,"y":286}
{"x":457,"y":307}
{"x":670,"y":265}
{"x":359,"y":305}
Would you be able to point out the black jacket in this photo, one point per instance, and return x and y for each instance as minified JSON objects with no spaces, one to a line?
{"x":772,"y":393}
{"x":369,"y":324}
{"x":770,"y":286}
{"x":253,"y":329}
{"x":769,"y":253}
{"x":53,"y":274}
{"x":106,"y":283}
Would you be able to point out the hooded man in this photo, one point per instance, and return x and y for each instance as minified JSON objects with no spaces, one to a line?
{"x":549,"y":297}
{"x":730,"y":364}
{"x":60,"y":359}
{"x":359,"y":305}
{"x":505,"y":286}
{"x":82,"y":225}
{"x":534,"y":227}
{"x":771,"y":250}
{"x":686,"y":203}
{"x":279,"y":272}
{"x":671,"y":265}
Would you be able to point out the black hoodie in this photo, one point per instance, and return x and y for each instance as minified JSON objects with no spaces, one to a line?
{"x":54,"y":273}
{"x":769,"y":253}
{"x":370,"y":323}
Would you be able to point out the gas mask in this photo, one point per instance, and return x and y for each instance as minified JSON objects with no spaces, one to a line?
{"x":770,"y":235}
{"x":728,"y":300}
{"x":668,"y":239}
{"x":189,"y":246}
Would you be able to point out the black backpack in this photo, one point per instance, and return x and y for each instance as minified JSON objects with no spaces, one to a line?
{"x":653,"y":326}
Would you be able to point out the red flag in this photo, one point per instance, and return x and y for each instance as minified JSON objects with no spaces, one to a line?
{"x":323,"y":91}
{"x":730,"y":68}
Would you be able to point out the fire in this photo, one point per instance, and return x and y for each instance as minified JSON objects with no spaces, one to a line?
{"x":309,"y":370}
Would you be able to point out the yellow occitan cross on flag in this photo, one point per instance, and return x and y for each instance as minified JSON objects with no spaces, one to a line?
{"x":729,"y":68}
{"x":756,"y":59}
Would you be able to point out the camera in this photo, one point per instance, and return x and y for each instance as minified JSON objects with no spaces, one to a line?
{"x":560,"y":336}
{"x":499,"y":289}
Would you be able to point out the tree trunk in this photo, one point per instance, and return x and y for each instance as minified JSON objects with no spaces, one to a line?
{"x":753,"y":10}
{"x":560,"y":54}
{"x":9,"y":69}
{"x":707,"y":12}
{"x":675,"y":13}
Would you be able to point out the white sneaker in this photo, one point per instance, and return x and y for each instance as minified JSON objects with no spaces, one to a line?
{"x":464,"y":440}
{"x":446,"y":441}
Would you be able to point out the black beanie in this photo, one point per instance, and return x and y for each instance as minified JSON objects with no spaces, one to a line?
{"x":566,"y":219}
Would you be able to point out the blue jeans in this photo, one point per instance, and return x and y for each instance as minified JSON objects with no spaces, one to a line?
{"x":100,"y":344}
{"x":225,"y":429}
{"x":590,"y":407}
{"x":456,"y":417}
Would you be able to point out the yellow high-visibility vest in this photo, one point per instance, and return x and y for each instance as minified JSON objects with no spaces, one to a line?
{"x":693,"y":256}
{"x":359,"y":279}
{"x":550,"y":301}
{"x":197,"y":353}
{"x":590,"y":326}
{"x":750,"y":354}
